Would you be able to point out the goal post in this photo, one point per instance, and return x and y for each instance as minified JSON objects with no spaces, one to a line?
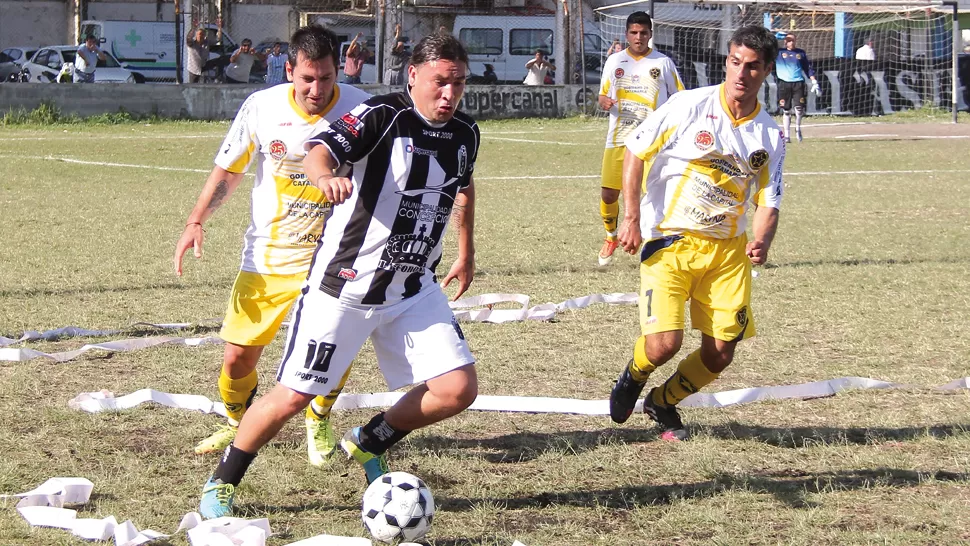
{"x":871,"y":57}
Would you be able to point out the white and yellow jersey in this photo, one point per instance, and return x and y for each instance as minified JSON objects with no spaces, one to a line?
{"x":288,"y":211}
{"x":703,"y":167}
{"x":639,"y":85}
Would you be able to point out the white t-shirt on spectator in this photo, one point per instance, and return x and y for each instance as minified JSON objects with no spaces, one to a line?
{"x":240,"y":69}
{"x":537,"y":74}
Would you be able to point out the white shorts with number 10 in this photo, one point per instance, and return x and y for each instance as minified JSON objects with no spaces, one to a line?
{"x":415,"y":340}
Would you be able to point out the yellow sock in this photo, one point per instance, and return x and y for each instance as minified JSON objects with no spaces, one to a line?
{"x":640,"y":366}
{"x":690,"y":377}
{"x":609,"y":212}
{"x":237,"y":394}
{"x":320,"y":406}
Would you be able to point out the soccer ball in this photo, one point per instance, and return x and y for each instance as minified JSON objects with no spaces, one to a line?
{"x":397,"y":506}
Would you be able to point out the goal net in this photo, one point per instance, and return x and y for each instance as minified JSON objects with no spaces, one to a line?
{"x":868,"y":59}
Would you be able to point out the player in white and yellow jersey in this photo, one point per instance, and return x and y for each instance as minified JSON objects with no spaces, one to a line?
{"x":636,"y":81}
{"x":709,"y":154}
{"x":288,"y":215}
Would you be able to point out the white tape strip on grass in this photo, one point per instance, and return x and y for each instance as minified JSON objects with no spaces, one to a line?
{"x":44,"y":507}
{"x":97,"y":402}
{"x":472,"y":309}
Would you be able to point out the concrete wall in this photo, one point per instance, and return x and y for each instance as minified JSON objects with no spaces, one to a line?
{"x":35,"y":23}
{"x":131,"y":11}
{"x":222,"y":101}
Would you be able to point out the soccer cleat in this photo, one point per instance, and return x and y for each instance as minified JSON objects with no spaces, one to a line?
{"x":672,"y":428}
{"x":320,"y":441}
{"x":219,"y":441}
{"x":624,"y":396}
{"x":217,"y":498}
{"x":606,"y":253}
{"x":375,"y":466}
{"x":798,"y":134}
{"x":787,"y":140}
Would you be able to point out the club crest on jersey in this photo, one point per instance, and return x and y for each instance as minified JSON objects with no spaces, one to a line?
{"x":347,"y":273}
{"x":462,"y":160}
{"x":704,"y":140}
{"x":619,"y":73}
{"x":655,"y":73}
{"x":742,"y":317}
{"x":635,"y":78}
{"x":758,"y":159}
{"x":277,"y":149}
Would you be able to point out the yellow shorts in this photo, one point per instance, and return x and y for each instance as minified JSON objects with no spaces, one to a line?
{"x":257,"y":306}
{"x":612,"y":174}
{"x":714,"y":274}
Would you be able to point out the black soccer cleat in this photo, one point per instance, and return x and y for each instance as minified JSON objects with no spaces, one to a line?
{"x":624,"y":396}
{"x":667,"y":417}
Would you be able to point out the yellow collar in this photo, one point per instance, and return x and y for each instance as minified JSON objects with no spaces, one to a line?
{"x":312,"y":120}
{"x":734,"y":121}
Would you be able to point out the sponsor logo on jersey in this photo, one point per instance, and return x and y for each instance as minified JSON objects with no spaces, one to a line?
{"x":437,"y":134}
{"x":704,"y":140}
{"x":277,"y":149}
{"x":352,"y":120}
{"x":411,"y":149}
{"x":347,"y":273}
{"x":758,"y":159}
{"x":462,"y":160}
{"x":619,"y":73}
{"x":655,"y":73}
{"x":286,"y":124}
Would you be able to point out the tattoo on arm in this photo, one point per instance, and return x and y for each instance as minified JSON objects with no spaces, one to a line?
{"x":218,"y":195}
{"x":458,"y":213}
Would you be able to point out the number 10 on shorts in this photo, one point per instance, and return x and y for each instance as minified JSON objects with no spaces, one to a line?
{"x":318,"y":356}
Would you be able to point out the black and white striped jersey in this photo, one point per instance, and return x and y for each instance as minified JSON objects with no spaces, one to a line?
{"x":383,"y":244}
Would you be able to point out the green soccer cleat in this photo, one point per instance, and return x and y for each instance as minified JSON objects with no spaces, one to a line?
{"x":219,"y":441}
{"x":375,"y":466}
{"x":320,"y":441}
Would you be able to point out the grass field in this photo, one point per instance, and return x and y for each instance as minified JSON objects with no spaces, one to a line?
{"x":869,"y":276}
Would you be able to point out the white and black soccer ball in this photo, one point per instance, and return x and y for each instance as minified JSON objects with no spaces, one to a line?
{"x":397,"y":506}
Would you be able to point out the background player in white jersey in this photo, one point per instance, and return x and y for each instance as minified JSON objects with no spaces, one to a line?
{"x":636,"y":81}
{"x":711,"y":152}
{"x":288,"y":213}
{"x":373,"y":275}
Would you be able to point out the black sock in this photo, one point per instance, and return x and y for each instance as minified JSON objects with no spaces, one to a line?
{"x":233,"y":465}
{"x":378,"y":436}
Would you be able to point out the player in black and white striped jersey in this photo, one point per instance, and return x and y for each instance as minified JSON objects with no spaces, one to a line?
{"x":373,"y":273}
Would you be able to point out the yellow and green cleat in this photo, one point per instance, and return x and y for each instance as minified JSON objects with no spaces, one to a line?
{"x":218,"y":441}
{"x":320,"y":441}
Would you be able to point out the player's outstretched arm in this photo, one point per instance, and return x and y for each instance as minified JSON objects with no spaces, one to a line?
{"x":320,"y":165}
{"x":764,"y":226}
{"x":463,"y":215}
{"x":217,"y":189}
{"x":629,"y":235}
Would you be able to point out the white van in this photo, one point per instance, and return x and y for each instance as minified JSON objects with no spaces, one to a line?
{"x":508,"y":42}
{"x":148,"y":47}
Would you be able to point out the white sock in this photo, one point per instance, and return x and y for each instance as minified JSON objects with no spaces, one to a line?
{"x":787,"y":119}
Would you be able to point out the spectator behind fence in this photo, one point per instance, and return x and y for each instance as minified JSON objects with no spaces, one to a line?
{"x":394,"y":75}
{"x":86,"y":61}
{"x":490,"y":77}
{"x":241,"y":63}
{"x":196,"y":54}
{"x":538,"y":68}
{"x":866,"y":52}
{"x":357,"y":55}
{"x":276,"y":65}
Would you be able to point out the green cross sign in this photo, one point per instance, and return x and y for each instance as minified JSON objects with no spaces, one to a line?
{"x":132,"y":38}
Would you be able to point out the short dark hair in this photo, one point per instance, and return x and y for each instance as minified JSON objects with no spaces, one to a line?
{"x":315,"y":43}
{"x":639,"y":18}
{"x":759,"y":39}
{"x":90,"y":37}
{"x":439,"y":46}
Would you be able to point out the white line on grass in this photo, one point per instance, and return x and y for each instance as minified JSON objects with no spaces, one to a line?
{"x":539,"y":141}
{"x":907,"y":137}
{"x":536,"y":177}
{"x":108,"y":137}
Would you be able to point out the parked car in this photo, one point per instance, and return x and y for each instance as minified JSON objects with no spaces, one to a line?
{"x":46,"y":64}
{"x":11,"y":61}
